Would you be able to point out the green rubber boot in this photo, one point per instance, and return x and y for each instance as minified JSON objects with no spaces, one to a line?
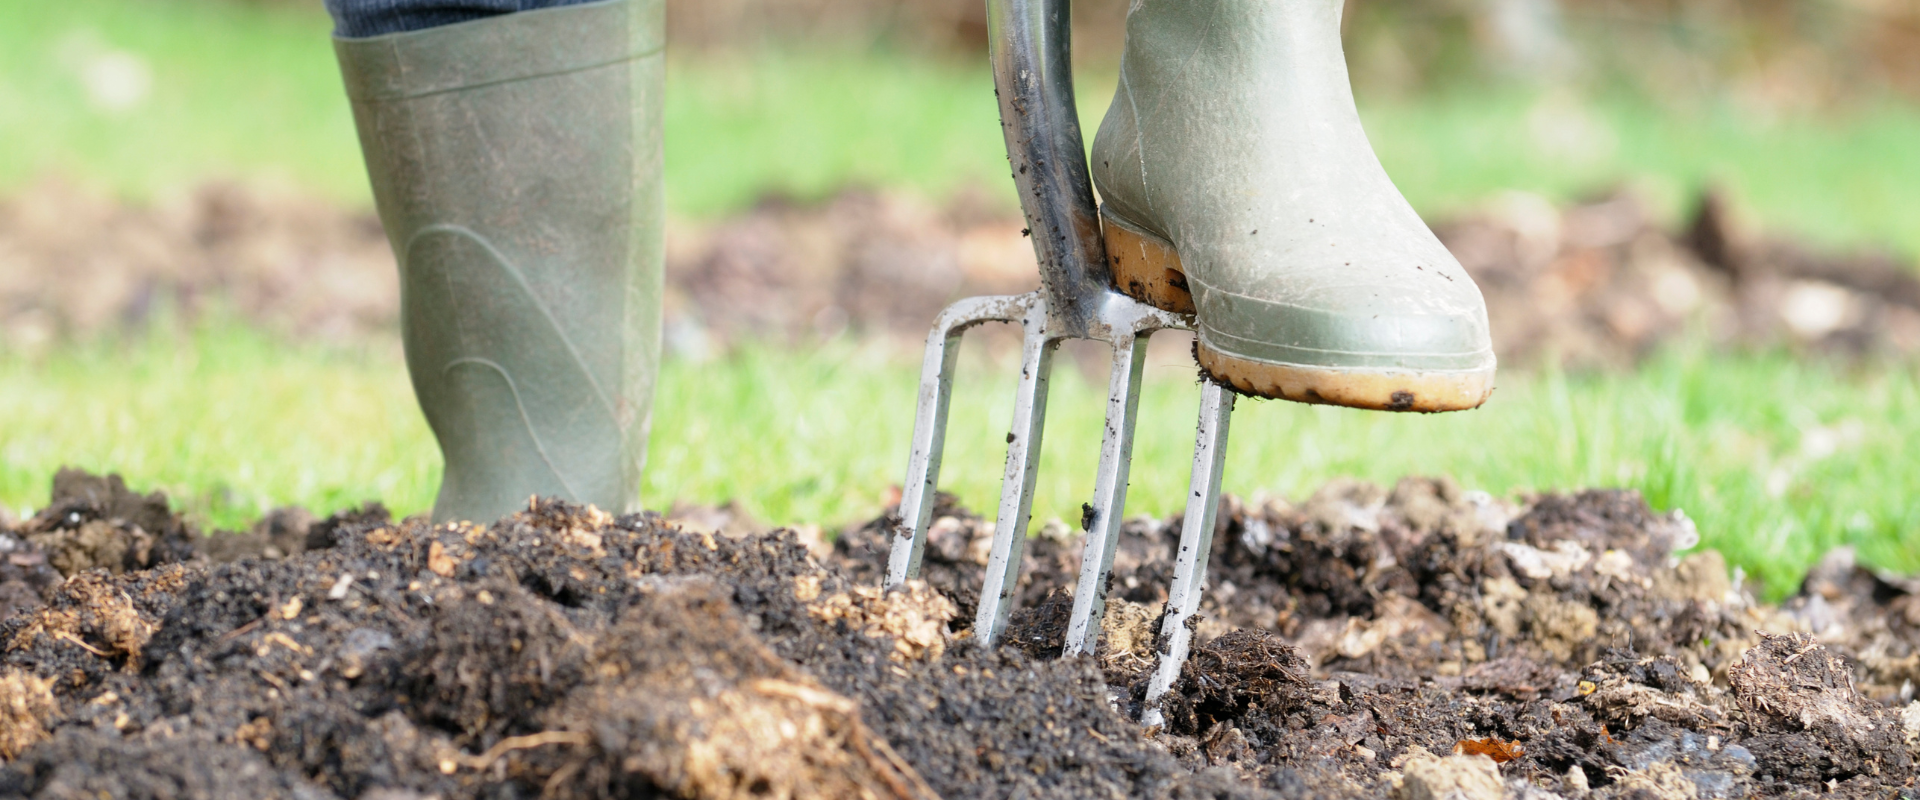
{"x":516,"y":164}
{"x":1238,"y":185}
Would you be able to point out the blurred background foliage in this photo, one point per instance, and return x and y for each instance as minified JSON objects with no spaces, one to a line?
{"x":1803,"y":108}
{"x":1777,"y":54}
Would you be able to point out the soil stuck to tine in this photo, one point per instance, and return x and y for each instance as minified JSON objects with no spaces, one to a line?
{"x":1418,"y":642}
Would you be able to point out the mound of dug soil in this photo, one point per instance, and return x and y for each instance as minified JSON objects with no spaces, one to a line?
{"x":1375,"y":641}
{"x":1414,"y":643}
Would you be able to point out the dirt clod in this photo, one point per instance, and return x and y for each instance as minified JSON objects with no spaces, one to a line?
{"x":26,"y":706}
{"x":1425,"y":776}
{"x":1229,"y":678}
{"x":565,"y":653}
{"x":1808,"y":722}
{"x":689,"y":702}
{"x":97,"y":522}
{"x":914,"y":617}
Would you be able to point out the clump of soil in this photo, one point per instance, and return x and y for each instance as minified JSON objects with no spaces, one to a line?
{"x":1806,"y":722}
{"x":26,"y":704}
{"x":1247,"y":675}
{"x":95,"y":522}
{"x":1569,"y":637}
{"x":1427,"y":777}
{"x":1409,"y":643}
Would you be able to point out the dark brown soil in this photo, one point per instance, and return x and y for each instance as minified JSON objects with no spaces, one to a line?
{"x":1413,"y":643}
{"x":1563,"y":633}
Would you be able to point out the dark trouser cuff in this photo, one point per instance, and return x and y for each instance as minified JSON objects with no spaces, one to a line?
{"x":354,"y":19}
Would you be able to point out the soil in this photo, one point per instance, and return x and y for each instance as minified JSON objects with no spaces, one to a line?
{"x":1418,"y":642}
{"x":1597,"y":283}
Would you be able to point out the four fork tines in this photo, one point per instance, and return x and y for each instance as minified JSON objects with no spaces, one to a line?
{"x":1125,"y":325}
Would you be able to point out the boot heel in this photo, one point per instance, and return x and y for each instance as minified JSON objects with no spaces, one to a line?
{"x":1145,"y":267}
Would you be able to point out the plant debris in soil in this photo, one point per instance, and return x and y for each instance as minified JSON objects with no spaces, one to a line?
{"x":1419,"y":642}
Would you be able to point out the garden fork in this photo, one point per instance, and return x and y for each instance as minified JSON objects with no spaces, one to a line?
{"x":1030,"y":49}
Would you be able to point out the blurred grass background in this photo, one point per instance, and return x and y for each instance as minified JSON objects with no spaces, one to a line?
{"x":1805,"y":110}
{"x":147,"y":96}
{"x":1776,"y":459}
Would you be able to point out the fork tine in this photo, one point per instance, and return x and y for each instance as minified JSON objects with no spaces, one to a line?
{"x":1196,"y":542}
{"x":923,"y":467}
{"x":930,"y":423}
{"x":1016,"y":487}
{"x":1109,"y":494}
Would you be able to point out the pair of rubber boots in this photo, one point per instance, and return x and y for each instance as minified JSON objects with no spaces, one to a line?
{"x":516,"y":163}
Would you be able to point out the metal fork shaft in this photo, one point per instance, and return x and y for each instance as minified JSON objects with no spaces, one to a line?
{"x":1196,"y":543}
{"x":1030,"y":47}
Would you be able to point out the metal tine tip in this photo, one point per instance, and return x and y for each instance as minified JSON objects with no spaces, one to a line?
{"x":1106,"y":512}
{"x":1128,"y":336}
{"x":1196,"y":543}
{"x":1016,"y":486}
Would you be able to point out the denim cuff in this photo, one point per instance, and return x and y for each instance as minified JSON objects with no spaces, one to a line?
{"x":355,"y":19}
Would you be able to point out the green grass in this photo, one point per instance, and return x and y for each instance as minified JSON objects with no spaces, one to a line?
{"x":1777,"y":460}
{"x":251,"y":91}
{"x":231,"y":424}
{"x":1842,"y":177}
{"x":808,"y":123}
{"x":235,"y":89}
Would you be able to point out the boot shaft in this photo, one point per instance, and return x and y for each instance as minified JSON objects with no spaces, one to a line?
{"x":540,"y":131}
{"x":1292,"y":45}
{"x":1218,"y":85}
{"x":516,"y":164}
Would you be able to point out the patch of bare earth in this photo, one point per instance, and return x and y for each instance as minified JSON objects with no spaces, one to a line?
{"x":1596,"y":283}
{"x":1419,"y":642}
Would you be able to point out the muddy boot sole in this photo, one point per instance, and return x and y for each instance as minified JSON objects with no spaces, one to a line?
{"x":1147,"y":268}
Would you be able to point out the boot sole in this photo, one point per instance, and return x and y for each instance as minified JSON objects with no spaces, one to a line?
{"x":1147,"y":268}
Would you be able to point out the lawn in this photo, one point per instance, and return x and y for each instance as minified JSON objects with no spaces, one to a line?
{"x":1775,"y":459}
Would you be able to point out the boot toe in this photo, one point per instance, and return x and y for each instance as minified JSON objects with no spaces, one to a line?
{"x":1375,"y":347}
